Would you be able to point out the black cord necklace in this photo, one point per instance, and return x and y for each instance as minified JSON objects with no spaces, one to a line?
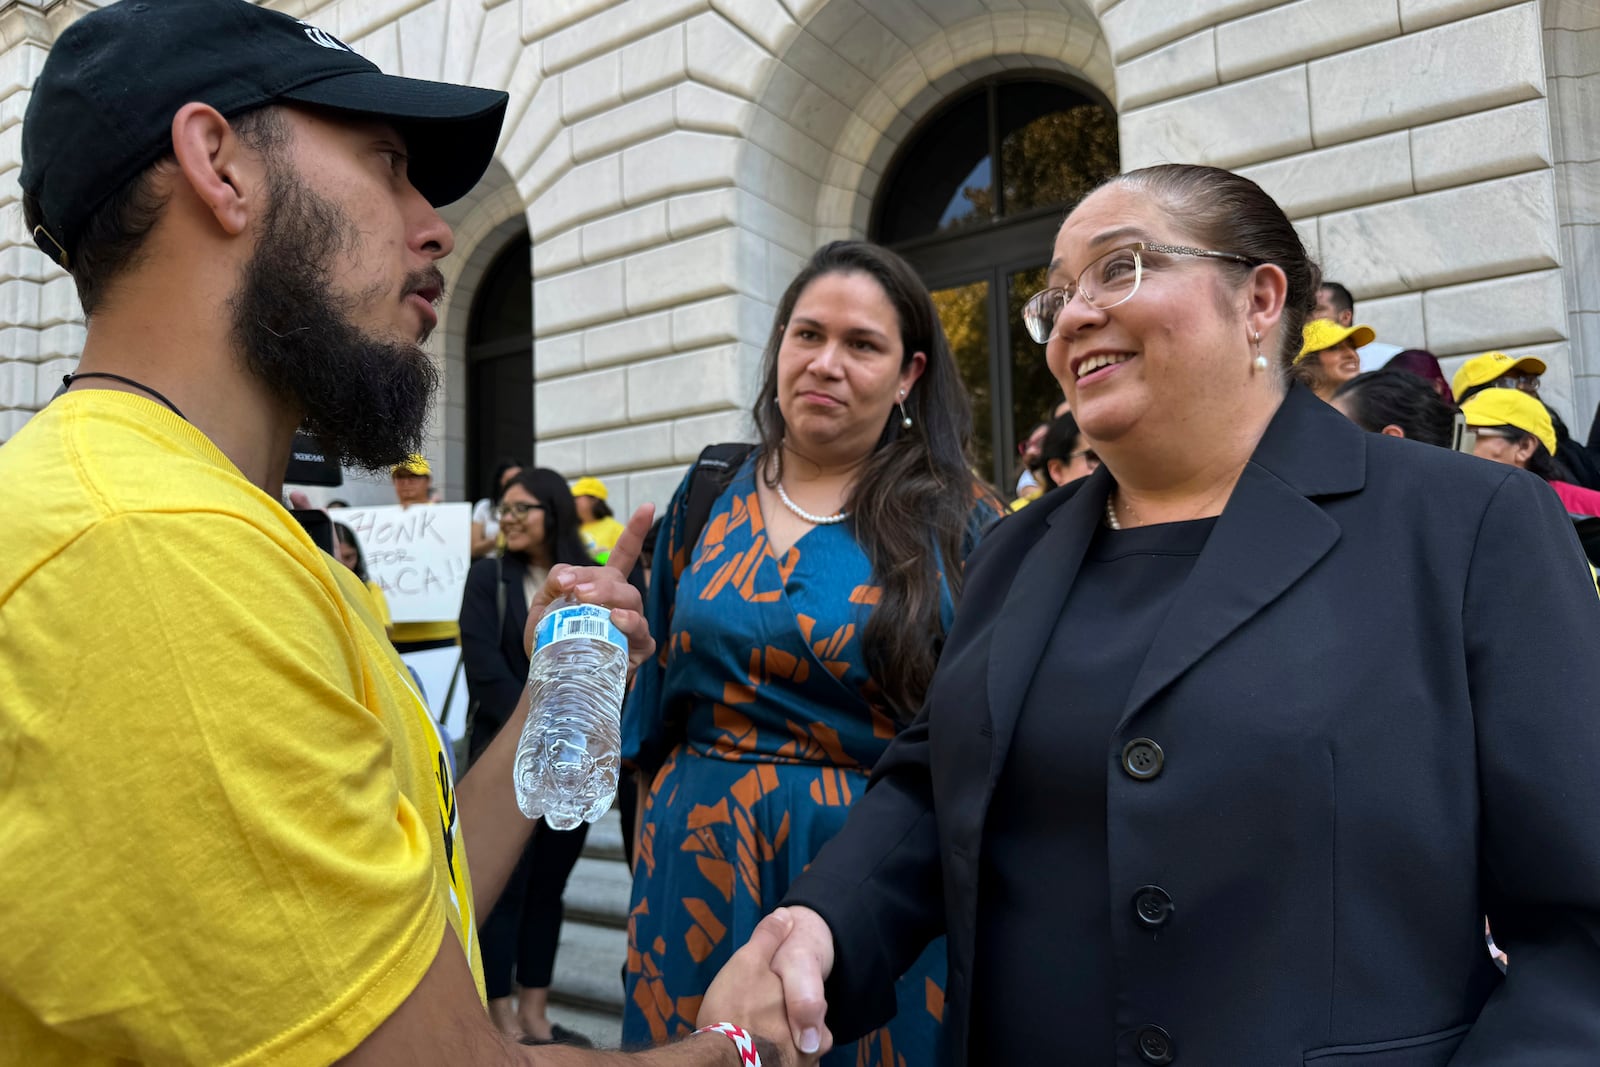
{"x":68,"y":379}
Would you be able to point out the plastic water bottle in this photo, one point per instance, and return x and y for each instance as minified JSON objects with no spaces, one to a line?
{"x":567,"y":759}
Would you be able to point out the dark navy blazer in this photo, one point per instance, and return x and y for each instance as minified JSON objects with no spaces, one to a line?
{"x":1368,"y":721}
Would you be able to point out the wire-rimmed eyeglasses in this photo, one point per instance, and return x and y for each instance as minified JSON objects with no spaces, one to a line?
{"x":517,"y":511}
{"x":1105,"y":283}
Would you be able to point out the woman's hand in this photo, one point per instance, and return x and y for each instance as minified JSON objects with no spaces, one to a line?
{"x":606,"y":586}
{"x":748,"y":993}
{"x":802,"y":962}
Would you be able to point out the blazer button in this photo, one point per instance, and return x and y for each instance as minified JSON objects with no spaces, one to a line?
{"x":1154,"y":1044}
{"x":1152,"y":906}
{"x":1142,"y":758}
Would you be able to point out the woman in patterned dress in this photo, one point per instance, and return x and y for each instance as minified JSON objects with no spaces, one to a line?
{"x":798,"y":634}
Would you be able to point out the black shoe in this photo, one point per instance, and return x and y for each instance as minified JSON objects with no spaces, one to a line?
{"x":560,"y":1035}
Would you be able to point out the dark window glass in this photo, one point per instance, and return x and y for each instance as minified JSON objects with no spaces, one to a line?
{"x":500,"y":366}
{"x":502,"y":308}
{"x":1034,"y":390}
{"x":973,"y":201}
{"x":964,"y":314}
{"x":1054,"y":158}
{"x":944,"y":180}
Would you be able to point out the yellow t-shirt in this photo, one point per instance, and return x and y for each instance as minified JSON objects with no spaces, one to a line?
{"x":380,"y":605}
{"x":229,"y":834}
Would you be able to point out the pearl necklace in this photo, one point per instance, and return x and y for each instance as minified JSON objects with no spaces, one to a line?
{"x":815,"y":520}
{"x":1111,"y":511}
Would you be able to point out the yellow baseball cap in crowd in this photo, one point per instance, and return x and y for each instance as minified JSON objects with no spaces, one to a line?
{"x":589,"y":487}
{"x":1511,"y":407}
{"x":1481,"y":370}
{"x":414,"y":464}
{"x":1325,"y":333}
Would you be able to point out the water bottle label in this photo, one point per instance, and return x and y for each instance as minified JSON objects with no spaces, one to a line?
{"x":579,"y":620}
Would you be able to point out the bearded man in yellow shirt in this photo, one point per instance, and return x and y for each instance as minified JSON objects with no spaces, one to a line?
{"x":230,"y":836}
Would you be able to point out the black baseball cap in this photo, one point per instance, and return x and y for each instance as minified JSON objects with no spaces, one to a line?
{"x":102,"y":107}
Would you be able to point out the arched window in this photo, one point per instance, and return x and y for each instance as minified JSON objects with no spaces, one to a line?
{"x":500,"y":366}
{"x":973,"y":201}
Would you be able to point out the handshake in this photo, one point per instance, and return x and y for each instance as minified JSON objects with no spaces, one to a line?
{"x":772,"y":986}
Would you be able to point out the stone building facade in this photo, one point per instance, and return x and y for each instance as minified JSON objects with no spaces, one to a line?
{"x":666,"y":165}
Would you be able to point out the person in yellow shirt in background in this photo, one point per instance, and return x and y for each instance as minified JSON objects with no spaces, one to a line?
{"x":413,"y":485}
{"x":230,"y":832}
{"x":599,"y":528}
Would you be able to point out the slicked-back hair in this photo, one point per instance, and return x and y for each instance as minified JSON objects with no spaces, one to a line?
{"x":1229,"y":213}
{"x":113,"y":238}
{"x":912,"y":506}
{"x":1387,"y":397}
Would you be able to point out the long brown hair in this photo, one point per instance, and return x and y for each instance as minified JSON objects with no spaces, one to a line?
{"x":912,"y":507}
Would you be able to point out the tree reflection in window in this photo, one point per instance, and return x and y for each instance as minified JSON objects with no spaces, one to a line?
{"x":1053,"y":142}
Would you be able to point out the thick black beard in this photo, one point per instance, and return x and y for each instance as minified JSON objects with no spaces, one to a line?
{"x":365,"y":399}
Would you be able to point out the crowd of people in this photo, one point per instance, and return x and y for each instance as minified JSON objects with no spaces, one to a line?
{"x":1220,"y":744}
{"x":1408,"y":396}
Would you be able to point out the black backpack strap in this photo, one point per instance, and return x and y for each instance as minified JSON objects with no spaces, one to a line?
{"x":712,"y":472}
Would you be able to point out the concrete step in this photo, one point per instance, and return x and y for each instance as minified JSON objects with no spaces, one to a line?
{"x":598,"y":891}
{"x":605,"y":837}
{"x":589,"y":966}
{"x":587,"y":986}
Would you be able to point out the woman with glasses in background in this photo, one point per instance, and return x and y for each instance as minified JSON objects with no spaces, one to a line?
{"x":1513,"y":428}
{"x":539,"y":522}
{"x":1233,"y":743}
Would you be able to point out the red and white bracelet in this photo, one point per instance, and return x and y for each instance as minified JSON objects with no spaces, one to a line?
{"x":741,"y":1040}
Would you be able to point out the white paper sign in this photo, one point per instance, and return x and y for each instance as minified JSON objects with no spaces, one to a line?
{"x":418,"y":555}
{"x":434,"y":666}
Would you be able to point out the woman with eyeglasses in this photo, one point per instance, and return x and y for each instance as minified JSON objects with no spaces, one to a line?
{"x":1513,"y":428}
{"x":1235,"y":742}
{"x":539,"y":522}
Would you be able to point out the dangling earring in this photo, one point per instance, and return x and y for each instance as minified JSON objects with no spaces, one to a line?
{"x":1261,"y":361}
{"x":905,"y":420}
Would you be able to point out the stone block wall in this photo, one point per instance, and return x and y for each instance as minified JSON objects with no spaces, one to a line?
{"x":673,"y":162}
{"x":1411,"y":140}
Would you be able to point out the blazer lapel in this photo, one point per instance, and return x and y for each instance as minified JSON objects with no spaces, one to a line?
{"x":1267,"y":537}
{"x":1033,"y":605}
{"x":516,"y":622}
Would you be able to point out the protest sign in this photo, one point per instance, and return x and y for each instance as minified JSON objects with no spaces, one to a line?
{"x":418,"y":555}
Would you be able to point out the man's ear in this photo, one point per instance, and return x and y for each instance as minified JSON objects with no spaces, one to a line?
{"x":224,"y":176}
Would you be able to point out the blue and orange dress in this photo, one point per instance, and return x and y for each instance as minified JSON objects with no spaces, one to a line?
{"x":758,"y":726}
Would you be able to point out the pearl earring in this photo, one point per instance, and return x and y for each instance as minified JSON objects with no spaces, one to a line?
{"x":1261,"y":361}
{"x":905,"y":420}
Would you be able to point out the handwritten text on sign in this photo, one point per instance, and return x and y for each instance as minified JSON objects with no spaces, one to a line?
{"x":419,"y":555}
